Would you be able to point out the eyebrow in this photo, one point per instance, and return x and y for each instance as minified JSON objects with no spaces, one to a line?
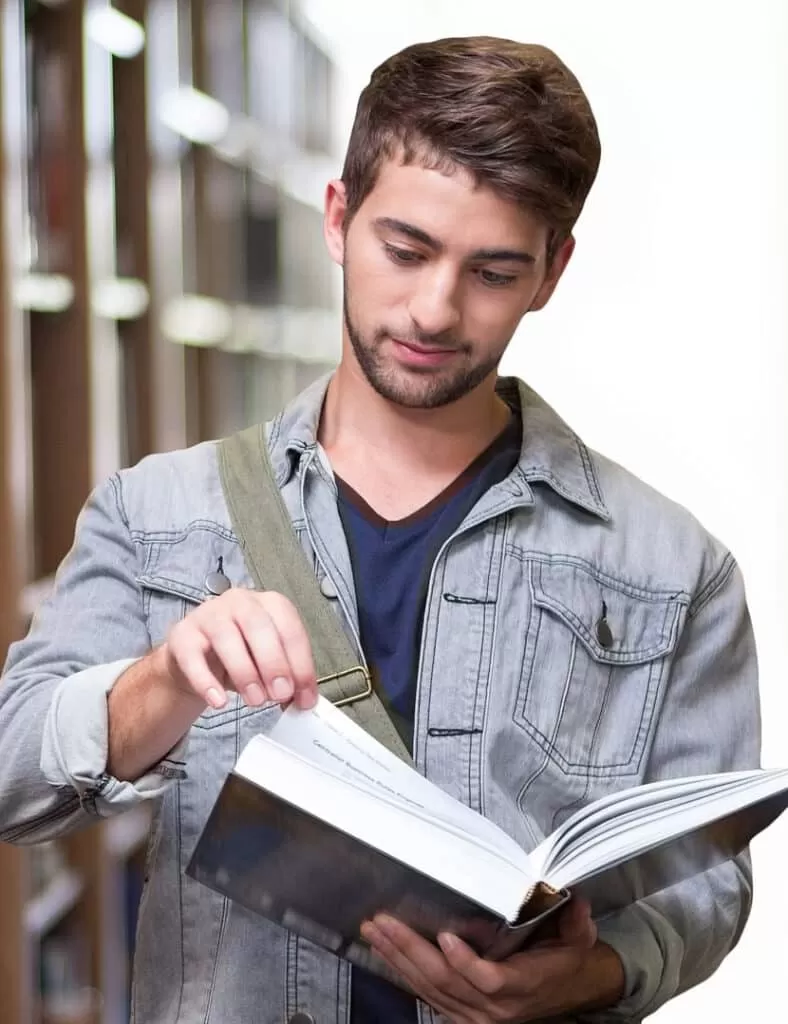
{"x":418,"y":235}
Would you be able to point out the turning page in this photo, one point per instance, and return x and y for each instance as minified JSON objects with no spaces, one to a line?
{"x":329,"y":739}
{"x":281,"y":813}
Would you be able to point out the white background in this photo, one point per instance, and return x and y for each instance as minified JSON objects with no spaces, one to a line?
{"x":665,"y":344}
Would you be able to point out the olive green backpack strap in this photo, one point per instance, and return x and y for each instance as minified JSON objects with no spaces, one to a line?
{"x":277,"y":562}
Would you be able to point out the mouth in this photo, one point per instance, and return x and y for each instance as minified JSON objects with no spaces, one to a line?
{"x":422,"y":355}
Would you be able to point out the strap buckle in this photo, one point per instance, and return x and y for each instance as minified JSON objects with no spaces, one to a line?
{"x":343,"y":701}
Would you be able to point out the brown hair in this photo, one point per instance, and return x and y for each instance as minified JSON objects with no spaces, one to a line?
{"x":510,"y":113}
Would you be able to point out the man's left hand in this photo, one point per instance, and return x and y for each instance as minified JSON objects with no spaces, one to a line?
{"x":571,"y":973}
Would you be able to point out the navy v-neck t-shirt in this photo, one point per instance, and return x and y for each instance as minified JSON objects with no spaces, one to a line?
{"x":391,"y":563}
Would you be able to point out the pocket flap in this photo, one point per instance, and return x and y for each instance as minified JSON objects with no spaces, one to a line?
{"x":642,"y":624}
{"x":169,"y":584}
{"x":182,"y":566}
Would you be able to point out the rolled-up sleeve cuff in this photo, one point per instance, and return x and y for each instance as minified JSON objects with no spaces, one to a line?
{"x":75,"y":747}
{"x":650,"y":951}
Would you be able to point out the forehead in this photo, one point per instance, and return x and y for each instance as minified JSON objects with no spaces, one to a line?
{"x":451,"y":207}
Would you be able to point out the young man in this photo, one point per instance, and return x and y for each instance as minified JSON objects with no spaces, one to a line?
{"x":545,"y":627}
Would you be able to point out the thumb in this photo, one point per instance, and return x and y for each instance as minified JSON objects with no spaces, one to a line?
{"x":576,"y":926}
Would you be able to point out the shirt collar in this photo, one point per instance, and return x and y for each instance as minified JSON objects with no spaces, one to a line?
{"x":551,"y":453}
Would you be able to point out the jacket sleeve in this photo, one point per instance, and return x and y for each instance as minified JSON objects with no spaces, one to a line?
{"x":709,"y":722}
{"x":53,"y":694}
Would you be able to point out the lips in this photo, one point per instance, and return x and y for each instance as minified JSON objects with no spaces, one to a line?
{"x":424,"y":350}
{"x":422,"y":357}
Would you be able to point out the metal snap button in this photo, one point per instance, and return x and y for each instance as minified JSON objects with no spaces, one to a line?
{"x":302,"y":1018}
{"x":217,"y":583}
{"x":327,"y":588}
{"x":604,"y":633}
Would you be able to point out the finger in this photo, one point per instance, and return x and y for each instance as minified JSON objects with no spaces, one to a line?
{"x":412,"y":975}
{"x":416,"y":952}
{"x":388,"y":952}
{"x":483,"y":975}
{"x":448,"y":1009}
{"x":576,"y":926}
{"x":295,"y":641}
{"x":217,"y":668}
{"x":228,"y":645}
{"x":188,"y":650}
{"x":266,"y":651}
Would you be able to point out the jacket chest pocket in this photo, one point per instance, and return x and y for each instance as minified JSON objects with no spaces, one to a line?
{"x":166,"y":601}
{"x":175,"y":584}
{"x":596,"y":652}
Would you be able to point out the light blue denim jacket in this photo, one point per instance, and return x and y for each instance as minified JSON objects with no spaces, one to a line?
{"x":520,"y":712}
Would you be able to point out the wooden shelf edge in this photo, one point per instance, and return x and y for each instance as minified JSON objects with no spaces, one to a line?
{"x":128,"y":832}
{"x":51,"y":905}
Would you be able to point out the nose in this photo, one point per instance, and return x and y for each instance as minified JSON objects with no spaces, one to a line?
{"x":434,"y":305}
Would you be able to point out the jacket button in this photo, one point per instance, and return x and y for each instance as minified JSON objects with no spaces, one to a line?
{"x":604,"y":634}
{"x":216,"y":583}
{"x":302,"y":1018}
{"x":327,"y":589}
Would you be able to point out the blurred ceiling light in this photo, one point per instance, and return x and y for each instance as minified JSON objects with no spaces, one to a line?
{"x":197,"y":320}
{"x":114,"y":31}
{"x":239,"y":142}
{"x":120,"y":298}
{"x":43,"y":293}
{"x":194,"y":115}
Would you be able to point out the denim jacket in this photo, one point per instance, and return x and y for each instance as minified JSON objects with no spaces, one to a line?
{"x":521,"y":712}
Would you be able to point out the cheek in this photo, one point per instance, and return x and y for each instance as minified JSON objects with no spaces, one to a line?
{"x":376,"y":289}
{"x":492,"y":319}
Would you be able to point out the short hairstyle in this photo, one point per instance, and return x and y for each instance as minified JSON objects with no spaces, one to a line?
{"x":512,"y":114}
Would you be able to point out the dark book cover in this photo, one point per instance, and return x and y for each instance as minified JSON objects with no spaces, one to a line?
{"x":292,"y":868}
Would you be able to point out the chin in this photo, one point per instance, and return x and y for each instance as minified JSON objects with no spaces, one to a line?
{"x":419,"y":394}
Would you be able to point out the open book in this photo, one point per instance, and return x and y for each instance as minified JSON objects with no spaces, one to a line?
{"x":319,"y":827}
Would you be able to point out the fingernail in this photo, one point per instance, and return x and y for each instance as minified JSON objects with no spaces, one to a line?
{"x":281,"y":689}
{"x":383,"y":923}
{"x":254,"y":694}
{"x":306,"y":699}
{"x":447,"y":942}
{"x":216,"y":698}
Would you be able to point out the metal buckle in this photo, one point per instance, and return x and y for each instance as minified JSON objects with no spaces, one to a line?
{"x":349,"y":672}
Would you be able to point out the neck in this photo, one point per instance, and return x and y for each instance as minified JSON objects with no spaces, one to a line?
{"x":432,"y":441}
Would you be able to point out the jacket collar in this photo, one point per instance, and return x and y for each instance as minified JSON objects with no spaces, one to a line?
{"x":551,"y":452}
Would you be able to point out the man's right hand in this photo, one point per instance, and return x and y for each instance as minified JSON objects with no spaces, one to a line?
{"x":244,"y":640}
{"x":249,"y":641}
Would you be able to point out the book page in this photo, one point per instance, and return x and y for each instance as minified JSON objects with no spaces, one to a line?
{"x":610,"y":811}
{"x":642,"y":826}
{"x":326,"y":736}
{"x":383,"y":821}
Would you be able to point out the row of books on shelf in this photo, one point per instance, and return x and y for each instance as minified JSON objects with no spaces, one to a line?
{"x":66,"y":996}
{"x":56,"y":885}
{"x":62,"y":952}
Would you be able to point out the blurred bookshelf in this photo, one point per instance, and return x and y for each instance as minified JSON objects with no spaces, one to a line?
{"x":161,"y":282}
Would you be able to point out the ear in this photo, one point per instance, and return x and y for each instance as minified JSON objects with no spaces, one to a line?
{"x":553,"y":276}
{"x":334,"y":220}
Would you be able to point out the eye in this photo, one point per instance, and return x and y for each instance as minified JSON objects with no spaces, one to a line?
{"x":404,"y":257}
{"x":493,"y":280}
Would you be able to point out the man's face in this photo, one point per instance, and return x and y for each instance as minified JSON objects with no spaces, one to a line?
{"x":438,"y":272}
